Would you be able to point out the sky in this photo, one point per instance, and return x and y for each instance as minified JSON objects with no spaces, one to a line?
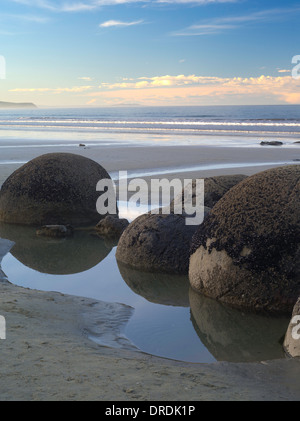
{"x":93,"y":53}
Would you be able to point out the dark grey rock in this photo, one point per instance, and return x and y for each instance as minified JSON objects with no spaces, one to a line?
{"x":247,"y":251}
{"x":53,"y":189}
{"x":271,"y":143}
{"x":111,"y":226}
{"x":56,"y":231}
{"x":156,"y":243}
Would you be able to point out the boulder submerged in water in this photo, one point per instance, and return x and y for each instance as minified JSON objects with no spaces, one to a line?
{"x":156,"y":243}
{"x":56,"y":231}
{"x":53,"y":189}
{"x":111,"y":226}
{"x":247,"y":251}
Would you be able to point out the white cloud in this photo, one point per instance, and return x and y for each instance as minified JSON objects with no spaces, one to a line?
{"x":74,"y":89}
{"x":72,"y":6}
{"x":24,"y":18}
{"x":219,"y":25}
{"x":111,"y":23}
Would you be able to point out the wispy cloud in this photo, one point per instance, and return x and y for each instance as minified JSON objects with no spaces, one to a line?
{"x":23,"y":18}
{"x":118,"y":23}
{"x":219,"y":25}
{"x":284,"y":70}
{"x":74,"y":89}
{"x":72,"y":6}
{"x":79,"y":6}
{"x":163,"y":81}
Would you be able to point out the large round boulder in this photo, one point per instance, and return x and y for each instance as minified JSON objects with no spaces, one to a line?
{"x":247,"y":251}
{"x":53,"y":189}
{"x":156,"y":243}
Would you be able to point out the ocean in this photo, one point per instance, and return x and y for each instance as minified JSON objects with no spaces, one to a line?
{"x":282,"y":121}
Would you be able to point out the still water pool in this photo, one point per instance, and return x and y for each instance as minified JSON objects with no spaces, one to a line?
{"x":169,"y":319}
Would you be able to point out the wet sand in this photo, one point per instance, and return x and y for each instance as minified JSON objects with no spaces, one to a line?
{"x":176,"y":161}
{"x":47,"y":354}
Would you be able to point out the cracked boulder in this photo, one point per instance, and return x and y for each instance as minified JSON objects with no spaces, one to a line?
{"x":247,"y":251}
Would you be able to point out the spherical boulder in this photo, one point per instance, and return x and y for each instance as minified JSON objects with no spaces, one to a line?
{"x":53,"y":189}
{"x":156,"y":243}
{"x":247,"y":251}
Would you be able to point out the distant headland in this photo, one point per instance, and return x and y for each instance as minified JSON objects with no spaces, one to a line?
{"x":17,"y":105}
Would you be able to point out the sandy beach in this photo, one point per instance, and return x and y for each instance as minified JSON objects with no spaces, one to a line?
{"x":47,"y":354}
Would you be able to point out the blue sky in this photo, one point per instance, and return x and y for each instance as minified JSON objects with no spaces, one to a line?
{"x":162,"y":52}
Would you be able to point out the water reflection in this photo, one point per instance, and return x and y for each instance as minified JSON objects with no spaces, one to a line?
{"x":63,"y":256}
{"x":169,"y":320}
{"x":171,"y":290}
{"x":233,"y":336}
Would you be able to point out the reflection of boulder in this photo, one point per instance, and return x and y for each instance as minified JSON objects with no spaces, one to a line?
{"x":55,"y":256}
{"x":233,"y":336}
{"x":247,"y":251}
{"x":56,"y":188}
{"x":157,"y":288}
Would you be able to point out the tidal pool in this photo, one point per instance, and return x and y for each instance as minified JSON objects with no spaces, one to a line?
{"x":169,"y":319}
